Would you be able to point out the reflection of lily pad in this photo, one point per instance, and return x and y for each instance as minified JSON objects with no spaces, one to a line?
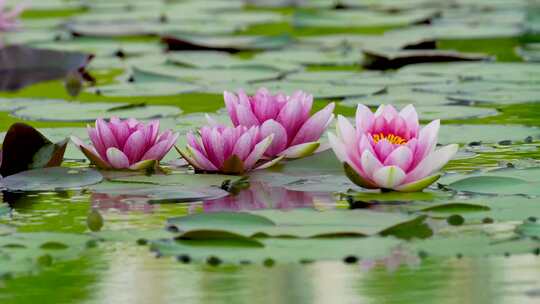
{"x":91,"y":111}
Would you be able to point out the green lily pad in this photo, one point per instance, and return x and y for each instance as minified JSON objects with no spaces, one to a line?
{"x":361,"y":18}
{"x":313,"y":57}
{"x":91,"y":111}
{"x":321,"y":90}
{"x":286,"y":223}
{"x":215,"y":59}
{"x":154,"y":88}
{"x":503,"y":181}
{"x":230,"y":44}
{"x":51,"y":179}
{"x":485,"y":133}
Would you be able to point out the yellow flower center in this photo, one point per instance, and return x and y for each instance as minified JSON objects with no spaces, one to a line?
{"x":394,"y":139}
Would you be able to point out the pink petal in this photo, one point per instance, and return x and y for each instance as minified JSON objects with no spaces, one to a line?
{"x":383,"y":148}
{"x":280,"y":136}
{"x":432,"y":163}
{"x":246,"y":116}
{"x":427,"y":140}
{"x":202,"y":162}
{"x":117,"y":158}
{"x":370,"y":164}
{"x":410,"y":116}
{"x":314,"y":127}
{"x":230,"y":103}
{"x":96,"y":141}
{"x":401,"y":157}
{"x":338,"y":147}
{"x":243,"y":146}
{"x":135,"y":147}
{"x":257,"y":152}
{"x":290,"y":118}
{"x":364,"y":118}
{"x":388,"y":177}
{"x":105,"y":134}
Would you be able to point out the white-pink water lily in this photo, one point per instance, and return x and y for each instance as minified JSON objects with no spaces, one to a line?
{"x":229,"y":150}
{"x":296,"y":133}
{"x":389,"y":150}
{"x":9,"y":20}
{"x":126,"y":144}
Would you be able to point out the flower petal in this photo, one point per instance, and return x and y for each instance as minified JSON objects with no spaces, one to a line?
{"x":370,"y":164}
{"x":357,"y":178}
{"x":314,"y":127}
{"x":270,"y":163}
{"x":364,"y":118}
{"x":144,"y":164}
{"x":246,"y":117}
{"x":388,"y":177}
{"x":338,"y":147}
{"x":280,"y":136}
{"x":257,"y":152}
{"x":134,"y":147}
{"x":432,"y":163}
{"x":117,"y":158}
{"x":91,"y":154}
{"x":301,"y":150}
{"x":105,"y":134}
{"x":201,"y":162}
{"x":401,"y":157}
{"x":231,"y":101}
{"x":418,"y":185}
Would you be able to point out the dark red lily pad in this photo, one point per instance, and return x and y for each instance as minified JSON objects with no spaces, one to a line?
{"x":21,"y":66}
{"x":25,"y":148}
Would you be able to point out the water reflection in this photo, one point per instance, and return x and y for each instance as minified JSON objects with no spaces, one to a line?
{"x":123,"y":203}
{"x":263,"y":196}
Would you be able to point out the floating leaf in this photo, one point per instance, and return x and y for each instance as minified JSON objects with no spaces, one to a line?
{"x":51,"y":179}
{"x":22,"y":66}
{"x":89,"y":112}
{"x":26,"y":148}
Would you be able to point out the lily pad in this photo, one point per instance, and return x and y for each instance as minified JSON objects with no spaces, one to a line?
{"x":270,"y":223}
{"x":51,"y":179}
{"x":385,"y":60}
{"x":231,"y":44}
{"x":22,"y":66}
{"x":313,"y":57}
{"x":504,"y":181}
{"x":154,"y":88}
{"x":485,"y":133}
{"x":322,"y":90}
{"x":89,"y":112}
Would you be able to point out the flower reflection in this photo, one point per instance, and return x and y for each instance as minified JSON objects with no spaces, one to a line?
{"x":398,"y":256}
{"x":124,"y":203}
{"x":263,"y":196}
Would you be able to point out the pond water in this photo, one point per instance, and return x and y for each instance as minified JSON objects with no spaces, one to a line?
{"x":301,"y":231}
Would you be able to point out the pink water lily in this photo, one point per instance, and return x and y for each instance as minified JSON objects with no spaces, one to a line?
{"x":9,"y":19}
{"x":230,"y":150}
{"x":287,"y":117}
{"x":126,"y":144}
{"x":389,"y":150}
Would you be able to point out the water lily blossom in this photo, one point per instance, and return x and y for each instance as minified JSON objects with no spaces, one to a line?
{"x":230,"y":150}
{"x":9,"y":19}
{"x":389,"y":150}
{"x":287,"y":117}
{"x":126,"y":144}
